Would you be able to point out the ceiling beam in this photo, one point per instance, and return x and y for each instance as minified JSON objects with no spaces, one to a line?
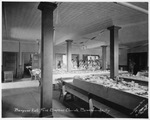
{"x":132,"y":7}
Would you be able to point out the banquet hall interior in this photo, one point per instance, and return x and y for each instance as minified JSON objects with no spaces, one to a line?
{"x":74,"y":59}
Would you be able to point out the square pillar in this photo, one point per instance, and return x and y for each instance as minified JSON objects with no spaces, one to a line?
{"x":80,"y":56}
{"x":46,"y":58}
{"x":19,"y":64}
{"x":104,"y":57}
{"x":114,"y":51}
{"x":69,"y":55}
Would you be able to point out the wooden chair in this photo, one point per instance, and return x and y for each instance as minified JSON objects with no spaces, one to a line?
{"x":32,"y":76}
{"x":60,"y":84}
{"x":8,"y":76}
{"x":63,"y":93}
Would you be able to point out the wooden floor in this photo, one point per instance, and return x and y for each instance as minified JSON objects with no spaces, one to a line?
{"x":25,"y":102}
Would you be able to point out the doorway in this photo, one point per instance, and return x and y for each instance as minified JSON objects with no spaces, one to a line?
{"x":27,"y":63}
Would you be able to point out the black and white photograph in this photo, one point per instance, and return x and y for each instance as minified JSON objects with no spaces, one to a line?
{"x":75,"y":59}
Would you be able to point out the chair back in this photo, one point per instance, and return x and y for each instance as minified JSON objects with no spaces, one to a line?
{"x":8,"y":76}
{"x":60,"y":83}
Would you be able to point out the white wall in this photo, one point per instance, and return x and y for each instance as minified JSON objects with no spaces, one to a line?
{"x":29,"y":47}
{"x":10,"y":46}
{"x":13,"y":46}
{"x":122,"y":56}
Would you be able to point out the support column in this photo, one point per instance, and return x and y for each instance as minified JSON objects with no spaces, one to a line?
{"x":46,"y":58}
{"x":114,"y":51}
{"x":69,"y":55}
{"x":104,"y":57}
{"x":80,"y":56}
{"x":39,"y":53}
{"x":19,"y":72}
{"x":20,"y":55}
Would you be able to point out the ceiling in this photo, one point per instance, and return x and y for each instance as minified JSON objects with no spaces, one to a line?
{"x":83,"y":22}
